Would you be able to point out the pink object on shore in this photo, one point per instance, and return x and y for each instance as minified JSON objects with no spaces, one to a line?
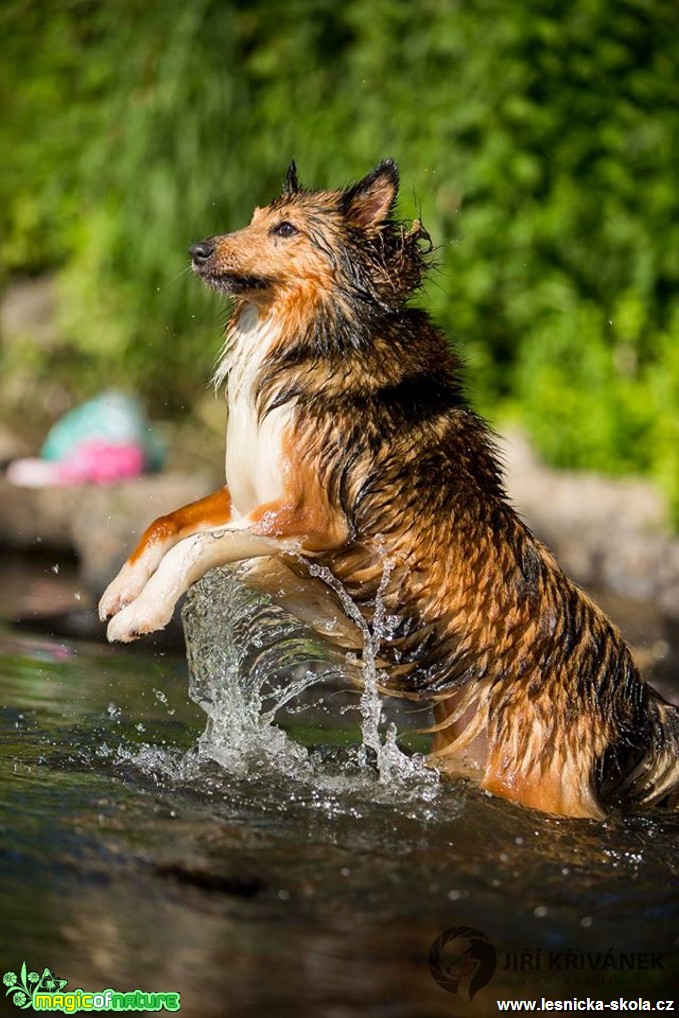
{"x":99,"y":462}
{"x":93,"y":461}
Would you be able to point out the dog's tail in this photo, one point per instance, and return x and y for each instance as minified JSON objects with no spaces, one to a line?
{"x":638,"y":777}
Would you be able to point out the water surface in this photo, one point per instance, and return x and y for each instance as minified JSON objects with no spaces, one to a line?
{"x":282,"y":868}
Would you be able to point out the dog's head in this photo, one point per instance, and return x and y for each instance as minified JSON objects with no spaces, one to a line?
{"x":320,"y":244}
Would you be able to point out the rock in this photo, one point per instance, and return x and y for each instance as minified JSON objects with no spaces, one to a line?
{"x":668,"y":600}
{"x":568,"y":498}
{"x":12,"y":446}
{"x":28,"y":309}
{"x":606,"y":532}
{"x":101,"y":524}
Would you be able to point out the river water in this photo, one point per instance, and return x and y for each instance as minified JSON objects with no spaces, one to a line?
{"x":263,"y":853}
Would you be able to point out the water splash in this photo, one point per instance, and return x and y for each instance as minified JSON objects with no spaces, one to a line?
{"x":392,"y":763}
{"x":244,"y":662}
{"x":249,"y":659}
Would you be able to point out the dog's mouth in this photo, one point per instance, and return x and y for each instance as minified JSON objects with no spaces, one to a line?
{"x":232,"y":284}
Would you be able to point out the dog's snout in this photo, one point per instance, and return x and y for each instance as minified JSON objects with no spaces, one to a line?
{"x":201,"y":252}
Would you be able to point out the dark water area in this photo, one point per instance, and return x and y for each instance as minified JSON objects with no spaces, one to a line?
{"x":140,"y":849}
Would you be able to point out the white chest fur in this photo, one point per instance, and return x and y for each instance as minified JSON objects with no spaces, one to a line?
{"x":254,"y":468}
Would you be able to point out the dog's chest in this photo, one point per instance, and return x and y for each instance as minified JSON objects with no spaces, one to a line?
{"x":254,"y":448}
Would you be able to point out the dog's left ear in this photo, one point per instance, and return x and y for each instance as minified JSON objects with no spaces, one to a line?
{"x":368,"y":203}
{"x":291,"y":183}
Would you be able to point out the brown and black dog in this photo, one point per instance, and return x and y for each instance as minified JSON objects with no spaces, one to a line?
{"x":350,"y":443}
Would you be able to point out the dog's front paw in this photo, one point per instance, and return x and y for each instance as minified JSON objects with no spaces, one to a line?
{"x":120,"y":592}
{"x":136,"y":620}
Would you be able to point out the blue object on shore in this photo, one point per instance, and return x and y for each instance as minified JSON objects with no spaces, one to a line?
{"x":112,"y":417}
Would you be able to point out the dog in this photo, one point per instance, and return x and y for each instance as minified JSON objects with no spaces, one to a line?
{"x":350,"y":444}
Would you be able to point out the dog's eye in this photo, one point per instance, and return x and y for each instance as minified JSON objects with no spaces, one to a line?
{"x":284,"y":230}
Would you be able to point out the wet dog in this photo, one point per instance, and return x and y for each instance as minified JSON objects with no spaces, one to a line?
{"x":350,"y":443}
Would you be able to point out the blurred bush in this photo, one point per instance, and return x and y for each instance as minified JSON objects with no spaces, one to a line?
{"x":540,"y":143}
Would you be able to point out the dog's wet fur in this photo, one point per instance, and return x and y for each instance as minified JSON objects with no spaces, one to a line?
{"x":350,"y":443}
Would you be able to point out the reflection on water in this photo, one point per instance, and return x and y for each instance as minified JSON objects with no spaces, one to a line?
{"x":256,"y":869}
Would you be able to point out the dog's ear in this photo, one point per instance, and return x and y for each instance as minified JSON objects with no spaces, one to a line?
{"x":369,"y":202}
{"x":291,"y":183}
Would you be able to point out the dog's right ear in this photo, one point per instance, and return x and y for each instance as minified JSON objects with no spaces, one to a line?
{"x":291,"y":183}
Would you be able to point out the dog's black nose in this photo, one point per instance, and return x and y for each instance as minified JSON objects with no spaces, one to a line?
{"x":201,"y":251}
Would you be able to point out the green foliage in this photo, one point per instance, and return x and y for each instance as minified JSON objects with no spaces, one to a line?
{"x":541,"y":142}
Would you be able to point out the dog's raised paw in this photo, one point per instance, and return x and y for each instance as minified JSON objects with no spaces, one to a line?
{"x":120,"y":592}
{"x":109,"y":606}
{"x":121,"y":629}
{"x":136,"y":620}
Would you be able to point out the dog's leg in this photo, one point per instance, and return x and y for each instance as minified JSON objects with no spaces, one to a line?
{"x":180,"y":568}
{"x":298,"y":523}
{"x":207,"y":513}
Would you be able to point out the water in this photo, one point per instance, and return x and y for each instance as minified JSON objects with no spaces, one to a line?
{"x":252,"y":664}
{"x":263,"y":852}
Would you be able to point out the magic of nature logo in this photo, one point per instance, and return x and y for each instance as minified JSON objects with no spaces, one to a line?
{"x":47,"y":992}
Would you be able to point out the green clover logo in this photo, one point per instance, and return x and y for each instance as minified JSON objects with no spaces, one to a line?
{"x":22,"y":987}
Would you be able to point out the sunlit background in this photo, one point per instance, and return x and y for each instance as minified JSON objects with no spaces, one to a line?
{"x":538,"y":141}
